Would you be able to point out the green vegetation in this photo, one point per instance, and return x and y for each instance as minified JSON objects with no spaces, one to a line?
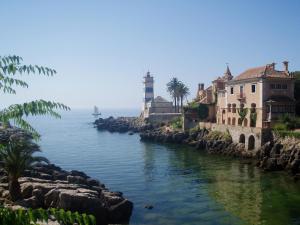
{"x":194,"y":129}
{"x":242,"y":113}
{"x":201,"y":109}
{"x":16,"y":156}
{"x":178,"y":91}
{"x":286,"y":133}
{"x":218,"y":135}
{"x":33,"y":217}
{"x":177,"y":123}
{"x":10,"y":67}
{"x":286,"y":125}
{"x":253,"y":118}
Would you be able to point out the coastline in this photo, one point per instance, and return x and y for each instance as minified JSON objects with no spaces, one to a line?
{"x":280,"y":154}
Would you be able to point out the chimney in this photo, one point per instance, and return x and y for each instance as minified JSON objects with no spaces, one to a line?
{"x":273,"y":66}
{"x":286,"y":66}
{"x":200,"y":87}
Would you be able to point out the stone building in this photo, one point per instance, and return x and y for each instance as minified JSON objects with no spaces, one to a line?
{"x":253,"y":100}
{"x":156,"y":109}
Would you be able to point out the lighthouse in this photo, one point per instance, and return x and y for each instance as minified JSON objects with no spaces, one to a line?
{"x":148,"y":89}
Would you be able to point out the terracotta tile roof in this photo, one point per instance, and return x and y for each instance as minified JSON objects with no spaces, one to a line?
{"x":261,"y":71}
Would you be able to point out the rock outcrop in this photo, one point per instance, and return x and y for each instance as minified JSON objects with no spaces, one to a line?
{"x":122,"y":124}
{"x":48,"y":186}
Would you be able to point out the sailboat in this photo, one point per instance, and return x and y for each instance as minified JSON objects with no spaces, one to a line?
{"x":96,"y":111}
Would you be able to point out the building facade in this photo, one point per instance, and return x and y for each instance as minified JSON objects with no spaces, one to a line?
{"x":249,"y":104}
{"x":256,"y":97}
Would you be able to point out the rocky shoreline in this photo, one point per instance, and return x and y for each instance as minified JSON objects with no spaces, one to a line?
{"x":49,"y":186}
{"x":278,"y":155}
{"x":122,"y":124}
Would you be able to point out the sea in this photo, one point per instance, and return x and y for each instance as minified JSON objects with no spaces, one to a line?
{"x":185,"y":186}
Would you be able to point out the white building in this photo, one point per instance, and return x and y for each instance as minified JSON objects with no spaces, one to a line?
{"x":156,"y":109}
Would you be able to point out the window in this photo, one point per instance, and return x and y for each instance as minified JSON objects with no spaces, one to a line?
{"x":253,"y":88}
{"x":231,"y":90}
{"x":233,"y":108}
{"x":229,"y":107}
{"x":278,"y":86}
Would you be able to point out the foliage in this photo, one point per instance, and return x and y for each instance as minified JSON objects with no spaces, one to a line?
{"x":194,"y":129}
{"x":33,"y":217}
{"x":10,"y":67}
{"x":280,"y":126}
{"x":202,"y":111}
{"x":242,"y":113}
{"x":178,"y":91}
{"x":15,"y":157}
{"x":177,"y":123}
{"x":218,"y":135}
{"x":193,"y":105}
{"x":289,"y":121}
{"x":287,"y":133}
{"x":253,"y":118}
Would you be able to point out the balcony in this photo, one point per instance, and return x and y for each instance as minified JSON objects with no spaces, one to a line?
{"x":241,"y":97}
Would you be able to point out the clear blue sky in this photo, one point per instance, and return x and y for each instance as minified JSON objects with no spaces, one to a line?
{"x":102,"y":49}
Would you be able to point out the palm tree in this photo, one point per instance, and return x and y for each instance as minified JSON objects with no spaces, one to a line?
{"x":172,"y":88}
{"x":183,"y":91}
{"x":15,"y":157}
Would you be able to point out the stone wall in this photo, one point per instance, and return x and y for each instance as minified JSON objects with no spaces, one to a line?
{"x":162,"y":117}
{"x":252,"y":137}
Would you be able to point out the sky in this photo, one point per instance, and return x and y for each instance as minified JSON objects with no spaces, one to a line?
{"x":102,"y":49}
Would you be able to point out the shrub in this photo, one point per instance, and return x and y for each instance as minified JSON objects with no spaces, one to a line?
{"x":290,"y":121}
{"x":194,"y":129}
{"x":218,"y":135}
{"x":177,"y":123}
{"x":280,"y":126}
{"x":285,"y":133}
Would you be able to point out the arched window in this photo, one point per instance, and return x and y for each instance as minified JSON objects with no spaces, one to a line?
{"x":251,"y":142}
{"x":229,"y":107}
{"x":233,"y":121}
{"x":229,"y":121}
{"x":245,"y":122}
{"x":240,"y":122}
{"x":233,"y":108}
{"x":223,"y":116}
{"x":242,"y":138}
{"x":253,"y":107}
{"x":253,"y":115}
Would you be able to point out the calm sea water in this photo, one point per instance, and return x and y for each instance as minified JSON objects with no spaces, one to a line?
{"x":185,"y":186}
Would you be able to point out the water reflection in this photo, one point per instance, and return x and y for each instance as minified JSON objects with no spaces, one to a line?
{"x":219,"y":190}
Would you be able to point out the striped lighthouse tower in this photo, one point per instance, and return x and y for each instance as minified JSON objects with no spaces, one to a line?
{"x":148,"y":89}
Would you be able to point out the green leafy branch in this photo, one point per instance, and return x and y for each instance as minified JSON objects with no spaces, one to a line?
{"x":10,"y":66}
{"x":253,"y":118}
{"x":34,"y":216}
{"x":242,"y":113}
